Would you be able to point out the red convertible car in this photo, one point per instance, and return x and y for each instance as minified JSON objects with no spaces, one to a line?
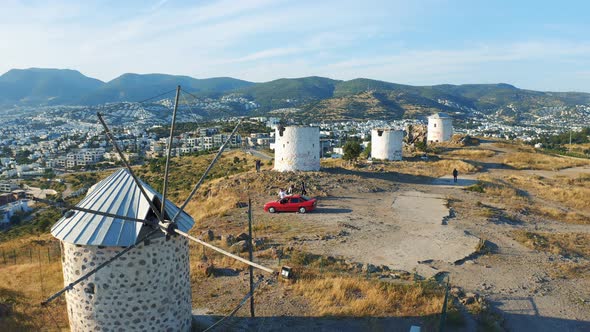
{"x":294,"y":203}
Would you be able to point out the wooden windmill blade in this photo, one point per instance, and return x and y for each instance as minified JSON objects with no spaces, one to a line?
{"x":170,"y":139}
{"x":122,"y":156}
{"x":68,"y":208}
{"x":176,"y":226}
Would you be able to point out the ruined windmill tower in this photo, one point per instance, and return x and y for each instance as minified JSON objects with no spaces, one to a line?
{"x":386,"y":144}
{"x":440,"y":127}
{"x":297,"y":148}
{"x":149,"y":287}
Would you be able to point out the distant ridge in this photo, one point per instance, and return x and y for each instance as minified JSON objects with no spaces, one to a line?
{"x":44,"y":86}
{"x":136,"y":87}
{"x":314,"y":97}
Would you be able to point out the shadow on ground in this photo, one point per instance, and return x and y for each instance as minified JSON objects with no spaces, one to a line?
{"x":387,"y":176}
{"x":331,"y":210}
{"x":528,"y":318}
{"x":514,"y":321}
{"x":345,"y":324}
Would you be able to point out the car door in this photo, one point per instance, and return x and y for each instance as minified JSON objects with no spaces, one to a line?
{"x":294,"y":204}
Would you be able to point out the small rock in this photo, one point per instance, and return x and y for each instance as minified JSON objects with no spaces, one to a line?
{"x":258,"y":243}
{"x":242,"y":237}
{"x":228,"y":240}
{"x":456,"y":292}
{"x":239,"y":246}
{"x":208,"y":235}
{"x":469,"y":298}
{"x":205,"y":267}
{"x":370,"y":268}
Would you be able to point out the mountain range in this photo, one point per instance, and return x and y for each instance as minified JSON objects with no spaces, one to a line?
{"x":315,"y":97}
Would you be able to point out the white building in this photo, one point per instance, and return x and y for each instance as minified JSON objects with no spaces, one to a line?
{"x":386,"y":144}
{"x":297,"y":148}
{"x":440,"y":128}
{"x":147,"y":289}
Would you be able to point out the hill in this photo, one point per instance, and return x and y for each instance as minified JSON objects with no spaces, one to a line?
{"x":307,"y":97}
{"x":290,"y":92}
{"x":136,"y":87}
{"x":38,"y":86}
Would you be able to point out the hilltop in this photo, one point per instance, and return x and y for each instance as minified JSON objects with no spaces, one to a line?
{"x":307,"y":97}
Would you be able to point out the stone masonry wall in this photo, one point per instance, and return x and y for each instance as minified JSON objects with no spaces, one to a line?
{"x":147,"y":289}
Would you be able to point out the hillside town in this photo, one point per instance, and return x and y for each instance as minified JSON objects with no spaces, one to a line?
{"x":44,"y":142}
{"x":59,"y":140}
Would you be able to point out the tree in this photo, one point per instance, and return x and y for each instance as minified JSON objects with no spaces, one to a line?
{"x":367,"y":151}
{"x":352,"y":150}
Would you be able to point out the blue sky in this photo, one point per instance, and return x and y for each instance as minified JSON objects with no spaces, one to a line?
{"x":541,"y":45}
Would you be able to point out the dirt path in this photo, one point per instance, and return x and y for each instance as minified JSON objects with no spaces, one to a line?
{"x":516,"y":280}
{"x":399,"y":230}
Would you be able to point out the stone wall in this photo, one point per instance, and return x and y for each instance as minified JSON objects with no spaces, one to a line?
{"x":147,"y":289}
{"x":297,"y":149}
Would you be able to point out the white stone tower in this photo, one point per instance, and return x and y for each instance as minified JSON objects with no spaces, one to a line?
{"x":297,"y":148}
{"x":440,"y":128}
{"x":146,"y":289}
{"x":386,"y":144}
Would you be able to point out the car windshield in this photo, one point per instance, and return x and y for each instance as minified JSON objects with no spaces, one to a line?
{"x":304,"y":198}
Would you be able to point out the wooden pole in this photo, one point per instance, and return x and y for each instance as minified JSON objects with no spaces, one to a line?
{"x":219,"y":250}
{"x":14,"y":254}
{"x":250,"y":257}
{"x":4,"y":256}
{"x":31,"y":254}
{"x":169,"y":152}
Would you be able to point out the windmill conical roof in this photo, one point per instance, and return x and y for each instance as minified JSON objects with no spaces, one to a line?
{"x":117,"y":194}
{"x":440,"y":115}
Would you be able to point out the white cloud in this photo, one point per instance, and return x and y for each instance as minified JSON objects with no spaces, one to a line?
{"x":264,"y":39}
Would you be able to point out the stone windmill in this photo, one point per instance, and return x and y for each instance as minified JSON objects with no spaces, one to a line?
{"x":125,"y":253}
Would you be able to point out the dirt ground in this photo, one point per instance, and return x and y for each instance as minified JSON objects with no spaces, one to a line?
{"x":428,"y":226}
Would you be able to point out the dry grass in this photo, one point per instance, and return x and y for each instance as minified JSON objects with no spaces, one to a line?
{"x":531,"y":160}
{"x":356,"y":297}
{"x":432,"y":168}
{"x":217,"y":205}
{"x":499,"y":188}
{"x":186,"y":171}
{"x":514,"y":146}
{"x":563,"y":216}
{"x":23,"y":287}
{"x":436,"y":168}
{"x":571,"y":192}
{"x":471,"y":154}
{"x":566,"y":244}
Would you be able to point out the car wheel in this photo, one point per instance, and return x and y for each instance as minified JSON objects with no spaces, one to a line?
{"x":272,"y":210}
{"x":302,"y":210}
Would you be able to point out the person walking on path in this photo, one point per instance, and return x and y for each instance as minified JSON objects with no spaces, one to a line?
{"x":455,"y":175}
{"x":303,"y":191}
{"x":257,"y":165}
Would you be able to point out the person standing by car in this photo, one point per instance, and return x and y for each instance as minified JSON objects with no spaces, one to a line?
{"x":290,"y":190}
{"x":303,"y":191}
{"x":455,"y":175}
{"x":282,"y":194}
